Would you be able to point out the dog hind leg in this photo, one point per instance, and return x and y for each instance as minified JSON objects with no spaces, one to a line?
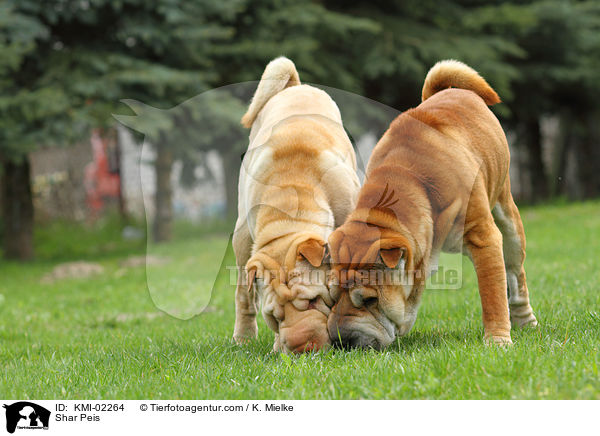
{"x":508,"y":220}
{"x":484,"y":245}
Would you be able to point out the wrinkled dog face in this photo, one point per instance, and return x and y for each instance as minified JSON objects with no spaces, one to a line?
{"x":298,"y":310}
{"x":304,"y":326}
{"x":370,"y":315}
{"x":372,"y":288}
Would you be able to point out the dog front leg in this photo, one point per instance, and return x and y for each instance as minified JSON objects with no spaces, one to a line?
{"x":245,"y":310}
{"x":245,"y":298}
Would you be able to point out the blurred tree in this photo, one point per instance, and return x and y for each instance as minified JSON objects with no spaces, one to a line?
{"x":80,"y":57}
{"x":211,"y":122}
{"x":18,"y":33}
{"x":541,"y":57}
{"x":64,"y":65}
{"x":260,"y":31}
{"x":187,"y":132}
{"x":316,"y":39}
{"x":559,"y":75}
{"x":414,"y":35}
{"x":577,"y":101}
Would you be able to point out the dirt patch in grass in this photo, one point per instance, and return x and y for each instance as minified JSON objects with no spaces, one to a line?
{"x":72,"y":270}
{"x":136,"y":261}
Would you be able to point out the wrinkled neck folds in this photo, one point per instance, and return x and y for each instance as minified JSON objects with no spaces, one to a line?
{"x":291,"y":214}
{"x":399,"y":204}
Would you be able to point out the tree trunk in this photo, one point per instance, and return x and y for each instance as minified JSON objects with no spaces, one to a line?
{"x":537,"y":171}
{"x":231,"y":173}
{"x":17,"y":211}
{"x":562,"y":179}
{"x":588,"y":157}
{"x":116,"y":151}
{"x":163,"y":203}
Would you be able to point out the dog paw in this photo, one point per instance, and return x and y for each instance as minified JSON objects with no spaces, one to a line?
{"x":528,"y":320}
{"x":503,"y":341}
{"x":277,"y":346}
{"x":245,"y":330}
{"x":245,"y":337}
{"x":242,"y":340}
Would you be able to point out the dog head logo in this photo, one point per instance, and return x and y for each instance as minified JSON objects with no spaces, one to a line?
{"x":26,"y":415}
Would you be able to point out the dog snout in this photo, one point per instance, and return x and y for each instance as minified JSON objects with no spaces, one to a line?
{"x":344,"y":336}
{"x":314,"y":344}
{"x":304,"y":330}
{"x":362,"y":296}
{"x":305,"y":338}
{"x":350,"y":326}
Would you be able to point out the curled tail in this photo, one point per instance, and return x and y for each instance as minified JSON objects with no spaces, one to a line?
{"x":280,"y":74}
{"x":455,"y":74}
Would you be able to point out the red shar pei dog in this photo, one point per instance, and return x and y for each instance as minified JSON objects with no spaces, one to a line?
{"x":436,"y":181}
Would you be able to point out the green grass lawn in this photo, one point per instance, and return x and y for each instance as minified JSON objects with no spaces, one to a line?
{"x":103,"y":337}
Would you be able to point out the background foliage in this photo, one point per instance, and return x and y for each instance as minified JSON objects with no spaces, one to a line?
{"x":65,"y":65}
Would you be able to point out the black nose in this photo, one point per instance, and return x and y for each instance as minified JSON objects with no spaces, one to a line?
{"x":363,"y":297}
{"x":341,"y":338}
{"x":348,"y":338}
{"x":340,"y":335}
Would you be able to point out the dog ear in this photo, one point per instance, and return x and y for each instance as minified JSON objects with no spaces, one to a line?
{"x":255,"y":269}
{"x":391,"y":256}
{"x":313,"y":250}
{"x":392,"y":250}
{"x":327,"y":255}
{"x":251,"y":276}
{"x":333,"y":245}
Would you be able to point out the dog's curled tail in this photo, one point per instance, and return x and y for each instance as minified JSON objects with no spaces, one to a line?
{"x":280,"y":74}
{"x":455,"y":74}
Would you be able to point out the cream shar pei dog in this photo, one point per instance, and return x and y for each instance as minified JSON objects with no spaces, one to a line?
{"x":297,"y":183}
